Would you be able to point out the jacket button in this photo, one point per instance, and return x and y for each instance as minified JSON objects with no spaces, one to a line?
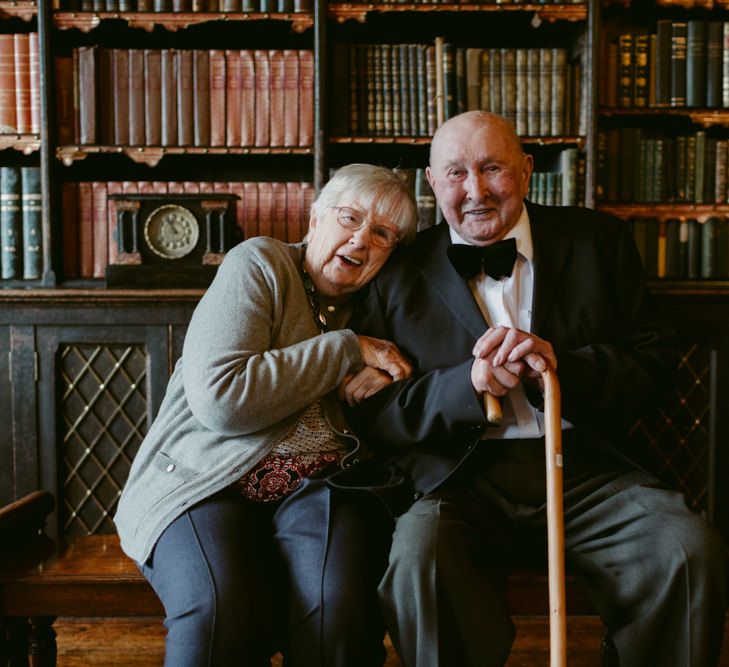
{"x":171,"y":467}
{"x":417,"y":495}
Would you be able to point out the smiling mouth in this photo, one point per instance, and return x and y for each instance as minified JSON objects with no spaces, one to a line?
{"x":351,"y":261}
{"x":479,"y":211}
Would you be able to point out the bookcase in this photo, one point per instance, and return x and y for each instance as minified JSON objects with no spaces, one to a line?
{"x":334,"y":83}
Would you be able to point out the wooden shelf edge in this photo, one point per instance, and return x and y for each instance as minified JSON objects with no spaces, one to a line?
{"x":680,"y":211}
{"x":173,"y":21}
{"x":425,"y":141}
{"x":703,"y":117}
{"x":89,"y":296}
{"x":22,"y":9}
{"x":25,"y":143}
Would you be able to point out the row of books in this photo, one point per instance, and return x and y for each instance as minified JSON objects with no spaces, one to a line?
{"x":684,"y":64}
{"x":683,"y":249}
{"x":186,"y":97}
{"x":564,"y":187}
{"x":279,"y":210}
{"x":410,"y":89}
{"x":21,"y":255}
{"x":284,"y":6}
{"x":636,"y":165}
{"x":19,"y":84}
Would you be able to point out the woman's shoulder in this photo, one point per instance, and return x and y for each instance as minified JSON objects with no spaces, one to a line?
{"x":265,"y":251}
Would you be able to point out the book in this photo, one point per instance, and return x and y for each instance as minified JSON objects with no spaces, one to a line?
{"x":136,"y":97}
{"x":32,"y":214}
{"x":233,"y":97}
{"x":508,"y":84}
{"x":250,"y":220}
{"x":640,"y":71}
{"x":663,"y":63}
{"x":168,"y":81}
{"x":559,"y":88}
{"x":710,"y":239}
{"x":100,"y":230}
{"x":693,"y":269}
{"x":291,"y":99}
{"x":107,"y":97}
{"x":263,"y":99}
{"x":439,"y":100}
{"x":522,"y":93}
{"x":248,"y":98}
{"x":22,"y":82}
{"x":293,"y":212}
{"x":185,"y":101}
{"x":218,"y":82}
{"x":626,"y":70}
{"x":673,"y":264}
{"x":714,"y":64}
{"x":265,"y":209}
{"x":545,"y":91}
{"x":679,"y":31}
{"x":278,"y":211}
{"x":473,"y":79}
{"x":696,"y":58}
{"x":152,"y":97}
{"x":11,"y":223}
{"x":306,"y":98}
{"x":87,"y":100}
{"x":201,"y":97}
{"x":64,"y":99}
{"x":113,"y":188}
{"x":8,"y":117}
{"x":277,"y":65}
{"x":533,"y":123}
{"x":35,"y":84}
{"x":120,"y":70}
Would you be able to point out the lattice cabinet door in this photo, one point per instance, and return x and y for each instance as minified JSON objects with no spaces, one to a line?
{"x":99,"y":390}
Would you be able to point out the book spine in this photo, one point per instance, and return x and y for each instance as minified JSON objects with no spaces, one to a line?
{"x":545,"y":91}
{"x":679,"y":32}
{"x":306,"y":98}
{"x":217,"y":97}
{"x":640,"y":73}
{"x":413,"y":89}
{"x":168,"y":80}
{"x":508,"y":84}
{"x":278,"y":211}
{"x":495,"y":87}
{"x":714,"y":64}
{"x":263,"y":99}
{"x":64,"y":100}
{"x":473,"y":79}
{"x":696,"y":57}
{"x":120,"y":59}
{"x":22,"y":82}
{"x":710,"y":236}
{"x":522,"y":93}
{"x":725,"y":65}
{"x":185,"y":105}
{"x":250,"y":220}
{"x":533,"y":92}
{"x":248,"y":98}
{"x":265,"y":209}
{"x":291,"y":100}
{"x":32,"y":212}
{"x":626,"y":70}
{"x":559,"y":87}
{"x":293,"y":212}
{"x":112,"y":233}
{"x":277,"y":64}
{"x":11,"y":234}
{"x":152,"y":97}
{"x":663,"y":63}
{"x":136,"y":97}
{"x":100,"y":233}
{"x":201,"y":97}
{"x":87,"y":101}
{"x":233,"y":97}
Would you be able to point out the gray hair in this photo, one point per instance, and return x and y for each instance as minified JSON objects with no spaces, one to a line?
{"x":376,"y":189}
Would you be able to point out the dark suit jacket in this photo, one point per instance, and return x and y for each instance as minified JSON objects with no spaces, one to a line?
{"x":590,"y":303}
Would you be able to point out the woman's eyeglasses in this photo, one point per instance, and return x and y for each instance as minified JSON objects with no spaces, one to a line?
{"x":353,"y":219}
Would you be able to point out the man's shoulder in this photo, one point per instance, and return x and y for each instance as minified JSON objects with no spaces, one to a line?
{"x":576,"y":222}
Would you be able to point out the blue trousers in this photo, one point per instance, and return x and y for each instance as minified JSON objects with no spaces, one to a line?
{"x":241,"y":580}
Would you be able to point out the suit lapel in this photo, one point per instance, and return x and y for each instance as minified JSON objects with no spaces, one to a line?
{"x":451,"y":288}
{"x":552,"y":246}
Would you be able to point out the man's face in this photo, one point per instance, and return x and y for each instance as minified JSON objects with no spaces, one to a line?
{"x":480,"y":178}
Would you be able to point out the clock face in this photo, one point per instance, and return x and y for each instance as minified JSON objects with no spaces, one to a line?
{"x":171,"y":231}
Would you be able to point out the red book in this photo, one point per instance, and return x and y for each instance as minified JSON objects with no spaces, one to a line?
{"x":101,"y":229}
{"x":168,"y":79}
{"x":136,"y":97}
{"x":120,"y":64}
{"x":86,"y":91}
{"x":263,"y":99}
{"x":22,"y":82}
{"x":278,"y":214}
{"x":265,"y":208}
{"x":107,"y":96}
{"x":152,"y":98}
{"x":8,"y":118}
{"x":85,"y":230}
{"x":64,"y":100}
{"x":250,"y":219}
{"x":185,"y":103}
{"x":70,"y":218}
{"x":293,"y":212}
{"x":248,"y":98}
{"x":291,"y":98}
{"x":201,"y":97}
{"x":306,"y":98}
{"x":34,"y":84}
{"x":113,"y":188}
{"x":307,"y":196}
{"x":276,"y":61}
{"x":217,"y":97}
{"x":238,"y":188}
{"x":233,"y":98}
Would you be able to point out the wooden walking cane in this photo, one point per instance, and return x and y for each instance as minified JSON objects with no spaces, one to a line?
{"x":555,"y":513}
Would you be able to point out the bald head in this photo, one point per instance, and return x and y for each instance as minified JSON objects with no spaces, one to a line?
{"x":468,"y":124}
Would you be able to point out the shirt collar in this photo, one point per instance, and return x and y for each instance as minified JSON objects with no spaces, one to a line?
{"x":521,"y":231}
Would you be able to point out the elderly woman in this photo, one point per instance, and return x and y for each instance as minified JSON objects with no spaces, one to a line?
{"x":227,"y":508}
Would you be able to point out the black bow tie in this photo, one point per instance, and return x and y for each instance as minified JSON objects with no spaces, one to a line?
{"x":496,"y":260}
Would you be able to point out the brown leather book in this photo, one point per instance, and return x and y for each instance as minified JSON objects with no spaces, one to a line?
{"x":217,"y":97}
{"x":176,"y":188}
{"x":201,"y":97}
{"x":276,"y":61}
{"x":307,"y":199}
{"x":291,"y":97}
{"x":293,"y":212}
{"x":250,"y":217}
{"x":107,"y":93}
{"x":87,"y":95}
{"x":64,"y":100}
{"x":278,"y":215}
{"x":152,"y":97}
{"x":100,"y":232}
{"x":112,"y":188}
{"x":265,"y":208}
{"x":168,"y":81}
{"x":233,"y":98}
{"x":34,"y":84}
{"x":263,"y":100}
{"x":136,"y":97}
{"x":185,"y":112}
{"x":8,"y":117}
{"x":85,"y":230}
{"x":247,"y":98}
{"x":306,"y":98}
{"x":120,"y":64}
{"x":22,"y":82}
{"x":70,"y":224}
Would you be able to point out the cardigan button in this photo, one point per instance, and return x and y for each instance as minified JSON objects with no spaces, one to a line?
{"x":171,"y":467}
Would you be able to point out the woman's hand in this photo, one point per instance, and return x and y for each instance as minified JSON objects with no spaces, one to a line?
{"x":355,"y":388}
{"x":384,"y":356}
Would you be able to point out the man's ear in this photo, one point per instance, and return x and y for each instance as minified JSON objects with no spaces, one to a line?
{"x":527,"y":168}
{"x":429,"y":176}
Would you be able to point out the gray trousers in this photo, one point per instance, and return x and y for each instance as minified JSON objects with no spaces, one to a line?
{"x":654,"y":569}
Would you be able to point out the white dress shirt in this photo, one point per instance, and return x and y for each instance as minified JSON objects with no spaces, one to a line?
{"x":508,"y":302}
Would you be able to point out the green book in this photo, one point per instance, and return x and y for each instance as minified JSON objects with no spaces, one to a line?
{"x":32,"y":210}
{"x":11,"y":219}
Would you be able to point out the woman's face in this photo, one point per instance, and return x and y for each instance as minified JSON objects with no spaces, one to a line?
{"x":340,"y":260}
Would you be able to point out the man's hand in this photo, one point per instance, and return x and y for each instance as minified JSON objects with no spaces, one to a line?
{"x":496,"y":380}
{"x":508,"y":345}
{"x":355,"y":388}
{"x":385,"y":356}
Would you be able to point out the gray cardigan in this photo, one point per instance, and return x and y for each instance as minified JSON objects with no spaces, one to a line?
{"x":252,"y":361}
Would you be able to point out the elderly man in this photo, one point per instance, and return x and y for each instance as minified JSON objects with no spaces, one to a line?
{"x":480,"y":305}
